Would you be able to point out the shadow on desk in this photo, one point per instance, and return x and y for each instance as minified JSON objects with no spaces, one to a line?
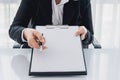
{"x":20,"y":66}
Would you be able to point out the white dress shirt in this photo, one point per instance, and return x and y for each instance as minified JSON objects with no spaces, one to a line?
{"x":57,"y":14}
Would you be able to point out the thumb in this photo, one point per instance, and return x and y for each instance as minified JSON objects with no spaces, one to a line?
{"x":83,"y":36}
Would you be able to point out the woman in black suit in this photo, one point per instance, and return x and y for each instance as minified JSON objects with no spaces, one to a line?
{"x":43,"y":12}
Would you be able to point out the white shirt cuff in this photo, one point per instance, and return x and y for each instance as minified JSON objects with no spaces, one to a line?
{"x":23,"y":40}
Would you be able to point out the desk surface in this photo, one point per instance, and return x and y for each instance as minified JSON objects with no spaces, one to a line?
{"x":102,"y":64}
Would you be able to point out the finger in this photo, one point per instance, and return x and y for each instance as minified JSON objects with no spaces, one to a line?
{"x":79,"y":32}
{"x":83,"y":36}
{"x":33,"y":43}
{"x":42,"y":43}
{"x":44,"y":47}
{"x":30,"y":45}
{"x":44,"y":40}
{"x":38,"y":35}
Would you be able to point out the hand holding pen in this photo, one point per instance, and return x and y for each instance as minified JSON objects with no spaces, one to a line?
{"x":42,"y":43}
{"x":34,"y":38}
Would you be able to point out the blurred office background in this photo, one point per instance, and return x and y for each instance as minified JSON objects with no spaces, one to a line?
{"x":106,"y":21}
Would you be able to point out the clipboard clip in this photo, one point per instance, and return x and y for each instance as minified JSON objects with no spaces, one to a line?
{"x":57,"y":26}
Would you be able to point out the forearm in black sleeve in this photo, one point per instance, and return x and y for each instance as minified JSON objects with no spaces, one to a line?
{"x":15,"y":33}
{"x":88,"y":39}
{"x":21,"y":20}
{"x":86,"y":20}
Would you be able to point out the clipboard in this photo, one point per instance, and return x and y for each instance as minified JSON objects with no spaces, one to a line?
{"x":64,"y":55}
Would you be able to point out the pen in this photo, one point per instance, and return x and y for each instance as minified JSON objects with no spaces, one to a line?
{"x":41,"y":44}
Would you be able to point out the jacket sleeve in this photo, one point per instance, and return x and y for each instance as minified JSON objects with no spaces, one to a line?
{"x":86,"y":20}
{"x":21,"y":20}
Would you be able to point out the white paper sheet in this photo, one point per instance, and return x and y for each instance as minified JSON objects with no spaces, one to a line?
{"x":64,"y":51}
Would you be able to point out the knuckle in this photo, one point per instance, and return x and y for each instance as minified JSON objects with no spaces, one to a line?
{"x":30,"y":40}
{"x":30,"y":45}
{"x":36,"y":46}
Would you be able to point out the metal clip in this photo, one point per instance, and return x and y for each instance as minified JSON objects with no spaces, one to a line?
{"x":57,"y":26}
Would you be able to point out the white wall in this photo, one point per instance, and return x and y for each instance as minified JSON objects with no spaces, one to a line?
{"x":106,"y":16}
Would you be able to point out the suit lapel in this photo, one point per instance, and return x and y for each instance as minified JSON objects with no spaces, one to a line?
{"x":68,"y":12}
{"x":47,"y":8}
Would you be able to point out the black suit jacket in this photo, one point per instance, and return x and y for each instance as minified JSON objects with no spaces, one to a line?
{"x":75,"y":12}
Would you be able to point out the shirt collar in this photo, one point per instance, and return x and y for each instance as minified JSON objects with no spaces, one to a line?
{"x":63,"y":2}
